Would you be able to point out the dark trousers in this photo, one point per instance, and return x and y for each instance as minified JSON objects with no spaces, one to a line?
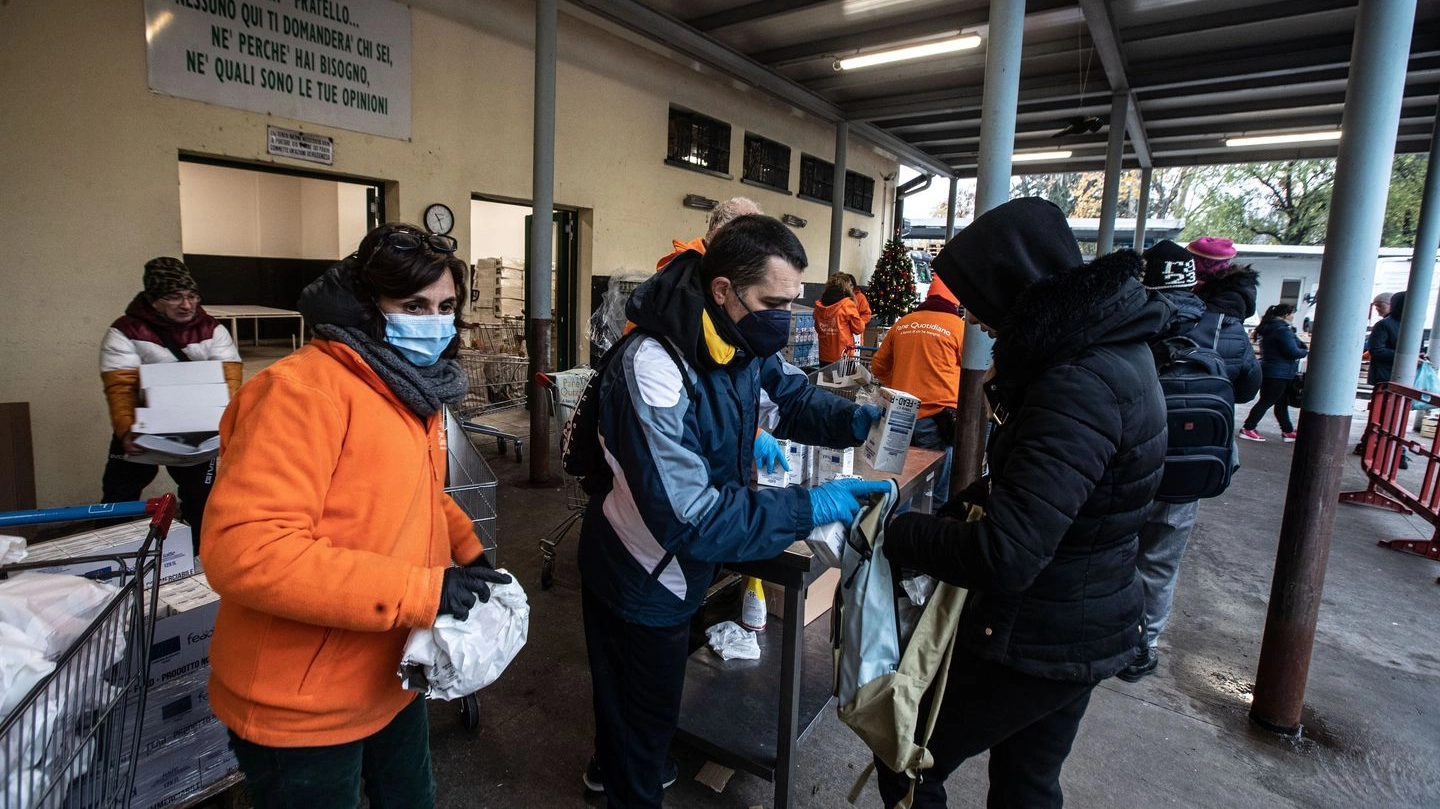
{"x":125,"y":480}
{"x":1272,"y":393}
{"x":1027,"y":723}
{"x":393,"y":763}
{"x":927,"y":435}
{"x":637,"y":674}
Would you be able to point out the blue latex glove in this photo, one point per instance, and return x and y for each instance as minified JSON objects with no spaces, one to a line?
{"x":768,"y":453}
{"x":863,"y":417}
{"x":839,"y":500}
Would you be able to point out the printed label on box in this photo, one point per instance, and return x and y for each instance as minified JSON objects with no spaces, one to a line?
{"x":889,"y":439}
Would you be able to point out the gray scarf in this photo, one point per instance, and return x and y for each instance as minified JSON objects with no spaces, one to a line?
{"x":423,"y":390}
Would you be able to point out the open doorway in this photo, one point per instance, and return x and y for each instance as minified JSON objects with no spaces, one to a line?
{"x":254,"y":237}
{"x":499,"y":237}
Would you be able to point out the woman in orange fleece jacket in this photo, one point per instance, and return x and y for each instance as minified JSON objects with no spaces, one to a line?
{"x":837,"y":319}
{"x":329,"y":535}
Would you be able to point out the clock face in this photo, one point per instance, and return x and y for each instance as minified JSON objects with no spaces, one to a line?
{"x":439,"y":219}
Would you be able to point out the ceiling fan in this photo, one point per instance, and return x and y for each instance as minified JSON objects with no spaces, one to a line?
{"x":1080,"y":125}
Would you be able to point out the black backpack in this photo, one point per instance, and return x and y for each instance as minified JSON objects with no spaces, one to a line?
{"x":581,"y":455}
{"x":1199,"y":412}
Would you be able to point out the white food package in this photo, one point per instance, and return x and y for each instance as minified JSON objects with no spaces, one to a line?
{"x":457,"y":658}
{"x":732,"y":641}
{"x":826,"y":541}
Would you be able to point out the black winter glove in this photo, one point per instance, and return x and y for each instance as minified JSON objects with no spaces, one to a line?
{"x":463,"y":585}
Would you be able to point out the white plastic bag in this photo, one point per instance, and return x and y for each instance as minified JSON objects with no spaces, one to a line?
{"x":52,"y":608}
{"x":732,"y":641}
{"x":12,"y":549}
{"x":456,"y":658}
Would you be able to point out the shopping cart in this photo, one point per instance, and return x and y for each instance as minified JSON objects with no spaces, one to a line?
{"x":71,"y":740}
{"x":563,"y":390}
{"x":497,"y":369}
{"x":471,"y":483}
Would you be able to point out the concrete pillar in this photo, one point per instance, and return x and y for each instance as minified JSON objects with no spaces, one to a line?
{"x":837,"y":202}
{"x":992,"y":188}
{"x":1422,"y":270}
{"x":1352,"y":237}
{"x":1142,"y":210}
{"x":950,"y":209}
{"x":538,"y":273}
{"x":1114,"y":156}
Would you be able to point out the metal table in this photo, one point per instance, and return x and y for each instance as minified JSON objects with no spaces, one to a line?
{"x":233,"y":312}
{"x":751,"y":715}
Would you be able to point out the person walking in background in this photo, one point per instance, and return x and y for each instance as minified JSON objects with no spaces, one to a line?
{"x":1381,"y":303}
{"x":1384,"y":339}
{"x":330,"y":535}
{"x":1055,"y":605}
{"x":1280,"y":355}
{"x":163,"y":323}
{"x":837,"y":319}
{"x":921,"y":355}
{"x":1170,"y":271}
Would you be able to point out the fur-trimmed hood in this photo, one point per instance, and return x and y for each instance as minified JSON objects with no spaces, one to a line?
{"x":1062,"y":315}
{"x":1232,"y":291}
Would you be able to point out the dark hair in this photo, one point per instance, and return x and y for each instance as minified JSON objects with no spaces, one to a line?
{"x":741,"y":250}
{"x":1280,"y":310}
{"x":380,"y":271}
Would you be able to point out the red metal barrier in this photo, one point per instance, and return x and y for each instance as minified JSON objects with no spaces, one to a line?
{"x":1384,"y":443}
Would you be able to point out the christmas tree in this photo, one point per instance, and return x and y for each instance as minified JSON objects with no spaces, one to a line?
{"x":892,"y":287}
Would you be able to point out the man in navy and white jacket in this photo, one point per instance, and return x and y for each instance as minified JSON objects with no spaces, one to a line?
{"x":678,"y":408}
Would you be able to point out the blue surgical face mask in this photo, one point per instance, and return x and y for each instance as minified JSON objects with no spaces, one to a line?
{"x":421,"y":339}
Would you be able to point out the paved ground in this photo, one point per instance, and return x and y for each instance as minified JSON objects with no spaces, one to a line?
{"x":1179,"y":738}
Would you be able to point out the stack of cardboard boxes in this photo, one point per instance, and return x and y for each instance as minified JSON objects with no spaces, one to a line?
{"x":183,"y":749}
{"x":180,"y":421}
{"x":499,"y":289}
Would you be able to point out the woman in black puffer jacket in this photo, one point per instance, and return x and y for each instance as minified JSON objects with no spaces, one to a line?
{"x":1055,"y":605}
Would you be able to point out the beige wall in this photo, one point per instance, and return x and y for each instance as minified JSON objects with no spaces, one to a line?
{"x":91,"y":167}
{"x":229,"y":212}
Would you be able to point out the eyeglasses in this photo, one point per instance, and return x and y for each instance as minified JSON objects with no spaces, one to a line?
{"x":406,"y":240}
{"x":177,"y":298}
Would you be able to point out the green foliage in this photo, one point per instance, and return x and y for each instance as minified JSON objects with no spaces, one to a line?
{"x":1402,"y":208}
{"x":892,"y":286}
{"x":1266,"y":203}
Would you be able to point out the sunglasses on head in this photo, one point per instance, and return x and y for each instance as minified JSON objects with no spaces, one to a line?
{"x":406,"y":240}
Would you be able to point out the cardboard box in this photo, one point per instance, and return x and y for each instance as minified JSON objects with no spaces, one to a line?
{"x":167,"y":420}
{"x":778,"y":478}
{"x":185,"y":396}
{"x":160,"y":374}
{"x":818,"y":599}
{"x":798,"y":455}
{"x":831,"y":463}
{"x":181,"y":644}
{"x":176,"y":563}
{"x":889,"y":438}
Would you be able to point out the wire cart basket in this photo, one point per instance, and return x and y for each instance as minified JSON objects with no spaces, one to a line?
{"x":71,"y":740}
{"x":563,"y":390}
{"x":472,"y":484}
{"x":497,"y":370}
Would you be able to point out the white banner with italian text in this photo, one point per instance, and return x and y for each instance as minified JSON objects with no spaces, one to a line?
{"x":342,"y":64}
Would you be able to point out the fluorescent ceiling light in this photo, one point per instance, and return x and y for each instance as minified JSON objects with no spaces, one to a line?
{"x":1035,"y":157}
{"x":960,"y":43}
{"x":1290,"y":137}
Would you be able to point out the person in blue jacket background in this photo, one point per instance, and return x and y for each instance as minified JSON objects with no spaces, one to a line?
{"x":678,"y":408}
{"x":1280,"y":355}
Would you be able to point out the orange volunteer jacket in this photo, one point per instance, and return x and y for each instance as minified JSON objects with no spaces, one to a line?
{"x":836,"y":325}
{"x":862,"y":305}
{"x":697,"y":244}
{"x":327,"y":535}
{"x":921,"y":356}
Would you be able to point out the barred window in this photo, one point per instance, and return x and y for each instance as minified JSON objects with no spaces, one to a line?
{"x":817,"y":178}
{"x":698,"y":142}
{"x":859,"y":192}
{"x":767,"y":162}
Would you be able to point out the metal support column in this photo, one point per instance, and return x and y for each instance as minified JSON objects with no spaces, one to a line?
{"x":1142,"y":210}
{"x":837,"y":202}
{"x":538,"y":273}
{"x":1352,"y":237}
{"x":950,"y":209}
{"x":1422,"y":270}
{"x":1114,"y":155}
{"x":992,"y":188}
